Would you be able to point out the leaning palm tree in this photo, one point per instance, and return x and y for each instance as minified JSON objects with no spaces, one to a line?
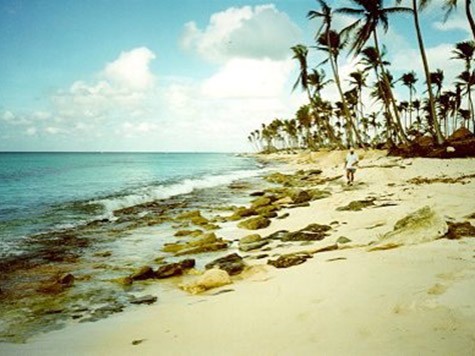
{"x":330,"y":41}
{"x":408,"y":80}
{"x":434,"y":126}
{"x":372,"y":14}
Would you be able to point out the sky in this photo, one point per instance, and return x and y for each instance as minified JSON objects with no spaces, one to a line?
{"x":189,"y":75}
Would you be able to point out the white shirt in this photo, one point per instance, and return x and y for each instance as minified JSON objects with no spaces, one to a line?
{"x":351,"y":160}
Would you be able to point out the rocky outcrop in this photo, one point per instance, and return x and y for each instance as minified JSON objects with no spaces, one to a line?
{"x":174,"y":269}
{"x":144,"y":272}
{"x":423,"y":225}
{"x":289,"y":260}
{"x":57,"y":284}
{"x":459,"y":230}
{"x":233,"y":264}
{"x":252,"y":242}
{"x":357,"y":205}
{"x":212,"y":278}
{"x":146,"y":299}
{"x":205,"y":243}
{"x":255,"y":223}
{"x":241,"y":213}
{"x":313,"y":232}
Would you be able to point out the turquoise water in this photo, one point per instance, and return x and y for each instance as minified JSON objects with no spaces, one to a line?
{"x":42,"y":192}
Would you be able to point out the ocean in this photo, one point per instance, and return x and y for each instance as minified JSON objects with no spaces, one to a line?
{"x":47,"y":192}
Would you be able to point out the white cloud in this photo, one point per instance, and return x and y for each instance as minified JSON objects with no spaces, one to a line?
{"x":247,"y":78}
{"x":52,"y":130}
{"x":247,"y":32}
{"x":131,"y":70}
{"x":31,"y":131}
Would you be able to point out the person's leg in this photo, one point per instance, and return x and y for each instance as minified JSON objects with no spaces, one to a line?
{"x":348,"y":176}
{"x":352,"y":175}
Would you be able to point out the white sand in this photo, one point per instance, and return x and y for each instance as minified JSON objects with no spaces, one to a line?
{"x":412,"y":300}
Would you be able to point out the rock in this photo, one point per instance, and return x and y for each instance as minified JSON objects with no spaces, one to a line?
{"x":250,"y":239}
{"x":189,"y":215}
{"x":459,"y":230}
{"x":257,"y":194}
{"x":252,"y":242}
{"x":357,"y":205}
{"x":283,"y":216}
{"x":174,"y":269}
{"x":268,"y":211}
{"x":284,"y":201}
{"x":124,"y":281}
{"x":316,"y":194}
{"x":313,"y":232}
{"x":212,"y":278}
{"x":258,"y":222}
{"x":301,"y":196}
{"x":146,"y":299}
{"x":194,"y":233}
{"x":205,"y":243}
{"x":278,"y":235}
{"x":233,"y":264}
{"x":240,"y":213}
{"x":66,"y":279}
{"x":423,"y":225}
{"x":199,"y":220}
{"x":450,"y":149}
{"x":278,"y":178}
{"x":143,"y":273}
{"x":343,"y":240}
{"x":260,"y":202}
{"x":289,"y":260}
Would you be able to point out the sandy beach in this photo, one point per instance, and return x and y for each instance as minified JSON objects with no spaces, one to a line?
{"x":369,"y":294}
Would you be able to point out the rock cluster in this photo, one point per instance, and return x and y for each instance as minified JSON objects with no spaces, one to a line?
{"x":204,"y":243}
{"x":165,"y":271}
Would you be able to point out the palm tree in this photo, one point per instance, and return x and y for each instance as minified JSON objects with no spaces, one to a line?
{"x":433,"y":122}
{"x":331,"y":42}
{"x":372,"y":14}
{"x":408,"y":80}
{"x":450,"y":5}
{"x":467,"y":79}
{"x":437,"y":79}
{"x":358,"y":80}
{"x":465,"y":51}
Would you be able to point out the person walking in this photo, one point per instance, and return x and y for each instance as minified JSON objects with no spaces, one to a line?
{"x":351,"y":162}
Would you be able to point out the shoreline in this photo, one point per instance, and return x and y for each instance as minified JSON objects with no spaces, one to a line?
{"x":378,"y":298}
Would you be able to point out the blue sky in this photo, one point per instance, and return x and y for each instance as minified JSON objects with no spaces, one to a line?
{"x":144,"y":75}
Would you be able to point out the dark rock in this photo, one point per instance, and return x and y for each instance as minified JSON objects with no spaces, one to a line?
{"x":142,"y":273}
{"x":233,"y":264}
{"x":357,"y":205}
{"x":268,"y":211}
{"x":137,"y":342}
{"x":253,"y":245}
{"x":343,"y":240}
{"x":174,"y":269}
{"x":257,"y":194}
{"x":146,"y":299}
{"x":459,"y":230}
{"x":301,"y":196}
{"x":325,"y":249}
{"x":313,"y":232}
{"x":283,"y":216}
{"x":258,"y":222}
{"x":56,"y":284}
{"x":289,"y":260}
{"x":194,"y":233}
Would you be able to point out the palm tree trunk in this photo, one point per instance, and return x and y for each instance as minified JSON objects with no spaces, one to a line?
{"x":399,"y":129}
{"x":432,"y":114}
{"x":469,"y":16}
